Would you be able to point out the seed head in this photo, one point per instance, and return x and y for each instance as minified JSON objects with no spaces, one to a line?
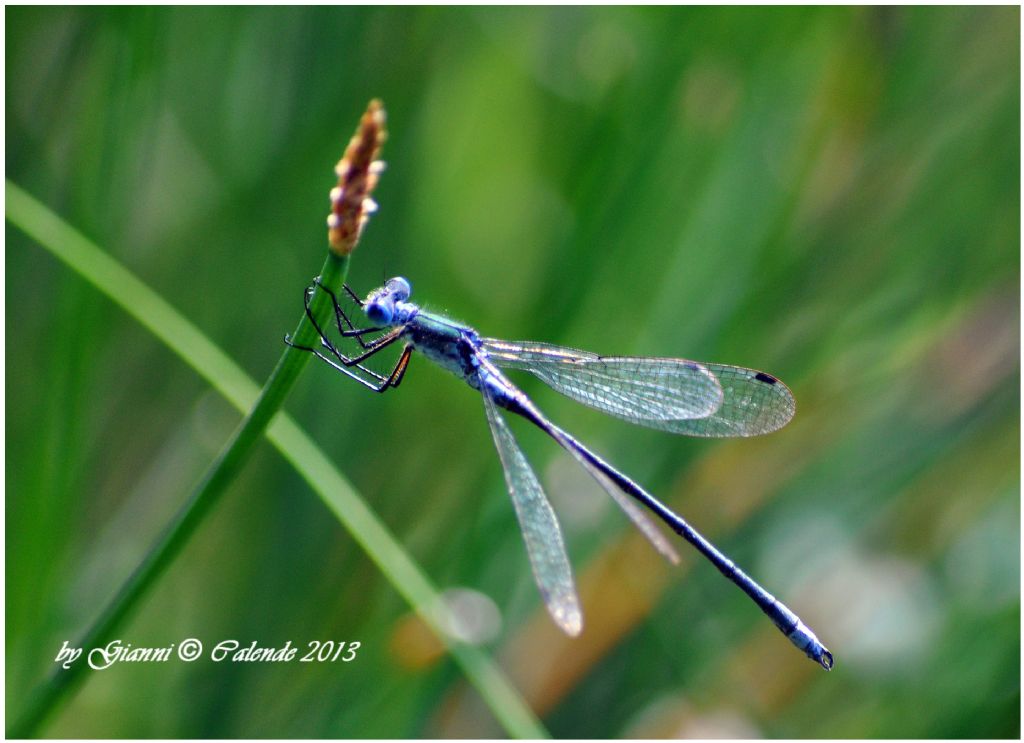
{"x":358,"y":172}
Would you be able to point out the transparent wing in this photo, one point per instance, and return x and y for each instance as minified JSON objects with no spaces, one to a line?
{"x":674,"y":395}
{"x":537,"y":520}
{"x":752,"y":403}
{"x":653,"y":392}
{"x":629,"y":507}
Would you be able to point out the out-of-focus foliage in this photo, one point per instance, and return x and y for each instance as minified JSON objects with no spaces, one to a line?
{"x":831,"y":195}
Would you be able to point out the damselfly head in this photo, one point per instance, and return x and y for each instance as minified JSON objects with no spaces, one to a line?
{"x":380,"y":303}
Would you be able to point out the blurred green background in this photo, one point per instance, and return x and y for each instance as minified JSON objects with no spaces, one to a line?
{"x":831,"y":195}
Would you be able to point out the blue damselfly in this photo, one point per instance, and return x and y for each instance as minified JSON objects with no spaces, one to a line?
{"x":674,"y":395}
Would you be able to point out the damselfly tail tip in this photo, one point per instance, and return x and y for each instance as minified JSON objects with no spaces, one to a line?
{"x":820,"y":654}
{"x":825,"y":659}
{"x":804,"y":638}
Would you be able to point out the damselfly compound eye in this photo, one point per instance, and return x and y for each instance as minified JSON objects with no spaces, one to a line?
{"x":400,"y":288}
{"x":381,"y":311}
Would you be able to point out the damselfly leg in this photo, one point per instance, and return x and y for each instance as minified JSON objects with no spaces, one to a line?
{"x":346,"y":364}
{"x":346,"y":327}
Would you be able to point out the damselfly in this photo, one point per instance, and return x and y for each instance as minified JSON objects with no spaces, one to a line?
{"x":674,"y":395}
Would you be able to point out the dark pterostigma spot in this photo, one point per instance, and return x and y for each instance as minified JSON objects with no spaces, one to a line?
{"x":767,"y":378}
